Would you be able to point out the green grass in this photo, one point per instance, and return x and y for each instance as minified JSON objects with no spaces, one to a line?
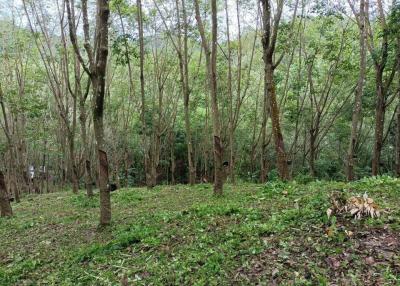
{"x":181,"y":235}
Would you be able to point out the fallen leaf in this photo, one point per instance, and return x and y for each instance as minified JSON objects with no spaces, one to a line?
{"x":329,"y":212}
{"x":370,"y":260}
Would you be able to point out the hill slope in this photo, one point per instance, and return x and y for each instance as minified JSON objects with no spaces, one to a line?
{"x":176,"y":235}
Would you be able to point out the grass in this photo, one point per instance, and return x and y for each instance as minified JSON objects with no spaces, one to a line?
{"x":181,"y":235}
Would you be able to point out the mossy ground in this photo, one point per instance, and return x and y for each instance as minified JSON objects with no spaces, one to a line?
{"x":181,"y":235}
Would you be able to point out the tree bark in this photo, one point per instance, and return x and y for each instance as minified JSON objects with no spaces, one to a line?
{"x":97,"y":72}
{"x":86,"y":150}
{"x":351,"y":154}
{"x":381,"y":87}
{"x":5,"y":206}
{"x":268,"y":40}
{"x":72,"y":164}
{"x":230,"y":96}
{"x":264,"y":144}
{"x":380,"y":111}
{"x":398,"y":112}
{"x":142,"y":96}
{"x":13,"y":151}
{"x":211,"y":62}
{"x":191,"y":159}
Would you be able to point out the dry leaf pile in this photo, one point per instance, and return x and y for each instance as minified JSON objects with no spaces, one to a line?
{"x":356,"y":206}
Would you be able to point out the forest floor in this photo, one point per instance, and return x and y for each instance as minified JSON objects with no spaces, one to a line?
{"x":272,"y":234}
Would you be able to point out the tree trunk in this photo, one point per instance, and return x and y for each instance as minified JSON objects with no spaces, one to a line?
{"x":282,"y":166}
{"x":264,"y":144}
{"x":264,"y":164}
{"x":358,"y":96}
{"x":218,"y":146}
{"x":312,"y":151}
{"x":380,"y":61}
{"x":190,"y":153}
{"x":186,"y":91}
{"x":126,"y":166}
{"x":73,"y":169}
{"x":154,"y":159}
{"x":98,"y":83}
{"x":268,"y":40}
{"x":14,"y":175}
{"x":5,"y":206}
{"x":211,"y":61}
{"x":86,"y":150}
{"x":142,"y":94}
{"x":398,"y":112}
{"x":379,"y":121}
{"x":172,"y":155}
{"x":230,"y":96}
{"x":398,"y":139}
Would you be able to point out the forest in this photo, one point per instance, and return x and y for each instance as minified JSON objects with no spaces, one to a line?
{"x":200,"y":142}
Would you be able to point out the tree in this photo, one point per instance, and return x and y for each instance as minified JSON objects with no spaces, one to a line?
{"x":380,"y":60}
{"x":57,"y":72}
{"x":351,"y":155}
{"x":97,"y":73}
{"x":211,"y":65}
{"x":146,"y":143}
{"x":268,"y":39}
{"x":398,"y":110}
{"x":5,"y":206}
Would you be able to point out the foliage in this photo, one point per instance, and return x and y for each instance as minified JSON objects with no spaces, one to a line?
{"x":317,"y":39}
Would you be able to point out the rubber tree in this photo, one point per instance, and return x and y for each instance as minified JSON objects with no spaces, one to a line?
{"x":96,"y":70}
{"x":211,"y":65}
{"x":268,"y":39}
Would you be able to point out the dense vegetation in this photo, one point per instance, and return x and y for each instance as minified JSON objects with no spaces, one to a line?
{"x":49,"y":110}
{"x":275,"y":232}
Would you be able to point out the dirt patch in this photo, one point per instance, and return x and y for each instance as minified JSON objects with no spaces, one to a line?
{"x":370,"y":257}
{"x":4,"y":258}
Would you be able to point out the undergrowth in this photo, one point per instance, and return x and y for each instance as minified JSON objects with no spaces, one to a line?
{"x":181,"y":235}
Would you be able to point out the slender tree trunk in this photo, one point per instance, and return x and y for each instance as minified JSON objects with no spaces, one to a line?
{"x":276,"y":128}
{"x":86,"y":149}
{"x":154,"y":160}
{"x":264,"y":163}
{"x":398,"y":111}
{"x":264,"y":145}
{"x":218,"y":146}
{"x":98,"y":83}
{"x":186,"y":91}
{"x":172,"y":155}
{"x":358,"y":97}
{"x":190,"y":153}
{"x":12,"y":149}
{"x":142,"y":94}
{"x":5,"y":206}
{"x":398,"y":139}
{"x":379,"y":121}
{"x":230,"y":96}
{"x":380,"y":61}
{"x":72,"y":164}
{"x":126,"y":165}
{"x":312,"y":151}
{"x":14,"y":174}
{"x":82,"y":97}
{"x":268,"y":40}
{"x":71,"y":138}
{"x":211,"y":61}
{"x":21,"y":165}
{"x":313,"y":132}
